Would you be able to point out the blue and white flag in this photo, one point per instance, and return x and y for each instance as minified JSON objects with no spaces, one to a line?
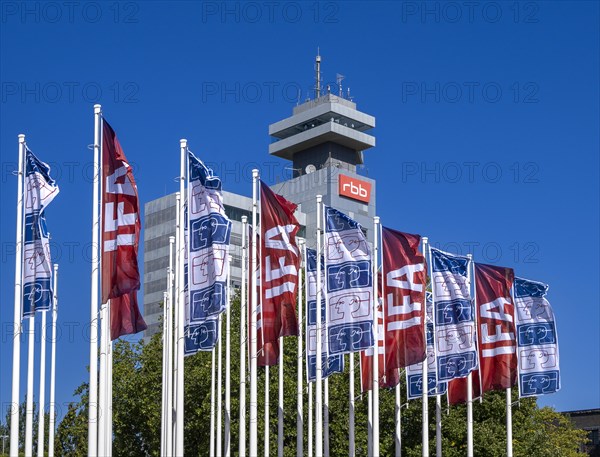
{"x":414,"y":373}
{"x":455,"y":333}
{"x":537,"y":340}
{"x":329,"y":363}
{"x":40,"y":190}
{"x":349,"y":282}
{"x":207,"y":263}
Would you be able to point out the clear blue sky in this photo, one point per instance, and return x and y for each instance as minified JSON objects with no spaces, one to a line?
{"x":487,"y":130}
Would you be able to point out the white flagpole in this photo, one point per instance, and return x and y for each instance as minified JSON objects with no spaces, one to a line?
{"x":220,"y":389}
{"x":267,"y":405}
{"x":181,"y":303}
{"x":280,"y":402}
{"x":509,"y":446}
{"x":425,"y":374}
{"x":29,"y":405}
{"x":53,"y":363}
{"x":351,"y":443}
{"x":299,"y":381}
{"x":93,"y":389}
{"x":102,"y":402}
{"x":438,"y":426}
{"x":370,"y":421}
{"x":243,"y":343}
{"x":109,"y":391}
{"x":326,"y":416}
{"x":42,"y":387}
{"x":175,"y":341}
{"x":18,"y":306}
{"x":212,"y":405}
{"x":227,"y":442}
{"x":164,"y":425}
{"x":253,"y":306}
{"x":168,"y":377}
{"x":469,"y":389}
{"x":319,"y":368}
{"x":310,"y":419}
{"x":376,"y":339}
{"x":398,"y":437}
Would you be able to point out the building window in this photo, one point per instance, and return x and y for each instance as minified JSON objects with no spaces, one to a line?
{"x":594,"y":436}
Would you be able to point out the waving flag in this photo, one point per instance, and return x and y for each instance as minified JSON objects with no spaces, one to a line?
{"x":453,"y":313}
{"x":405,"y":278}
{"x":537,"y":340}
{"x":349,"y":284}
{"x":40,"y":190}
{"x":120,"y":238}
{"x":280,"y":262}
{"x":330,"y":363}
{"x":207,"y":268}
{"x":496,"y":320}
{"x":414,"y":373}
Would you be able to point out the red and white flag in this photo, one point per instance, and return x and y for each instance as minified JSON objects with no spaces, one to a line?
{"x":496,"y":336}
{"x":405,"y":279}
{"x":280,"y":263}
{"x":120,"y":238}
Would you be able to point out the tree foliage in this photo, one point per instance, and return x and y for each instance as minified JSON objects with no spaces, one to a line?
{"x":537,"y":432}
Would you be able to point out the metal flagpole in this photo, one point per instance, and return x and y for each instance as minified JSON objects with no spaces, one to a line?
{"x":267,"y":405}
{"x":175,"y":341}
{"x":109,"y":376}
{"x":181,"y":302}
{"x":102,"y":410}
{"x":509,"y":447}
{"x":168,"y":378}
{"x":469,"y":387}
{"x":310,"y":419}
{"x":376,"y":339}
{"x":438,"y":426}
{"x":425,"y":374}
{"x":18,"y":306}
{"x":370,"y":421}
{"x":220,"y":389}
{"x":398,"y":437}
{"x":243,"y":344}
{"x":227,"y":442}
{"x":164,"y":425}
{"x":93,"y":388}
{"x":319,"y":367}
{"x":42,"y":387}
{"x":326,"y":416}
{"x":253,"y":306}
{"x":351,"y":442}
{"x":53,"y":363}
{"x":299,"y":382}
{"x":212,"y":405}
{"x":30,"y":366}
{"x":280,"y":402}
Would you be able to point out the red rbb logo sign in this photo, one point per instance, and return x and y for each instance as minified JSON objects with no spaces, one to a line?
{"x":354,"y":188}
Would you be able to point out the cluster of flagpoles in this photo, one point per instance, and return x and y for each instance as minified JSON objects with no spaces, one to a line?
{"x":31,"y":201}
{"x":177,"y":316}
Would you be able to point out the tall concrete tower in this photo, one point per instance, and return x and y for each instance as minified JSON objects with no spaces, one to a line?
{"x":325,"y":138}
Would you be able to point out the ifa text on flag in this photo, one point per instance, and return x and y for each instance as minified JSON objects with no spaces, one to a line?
{"x":40,"y":190}
{"x":404,"y":276}
{"x":120,"y":238}
{"x":537,"y":340}
{"x":280,"y":263}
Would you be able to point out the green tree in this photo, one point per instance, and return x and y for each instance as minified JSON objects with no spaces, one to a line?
{"x":137,"y":392}
{"x":5,"y":427}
